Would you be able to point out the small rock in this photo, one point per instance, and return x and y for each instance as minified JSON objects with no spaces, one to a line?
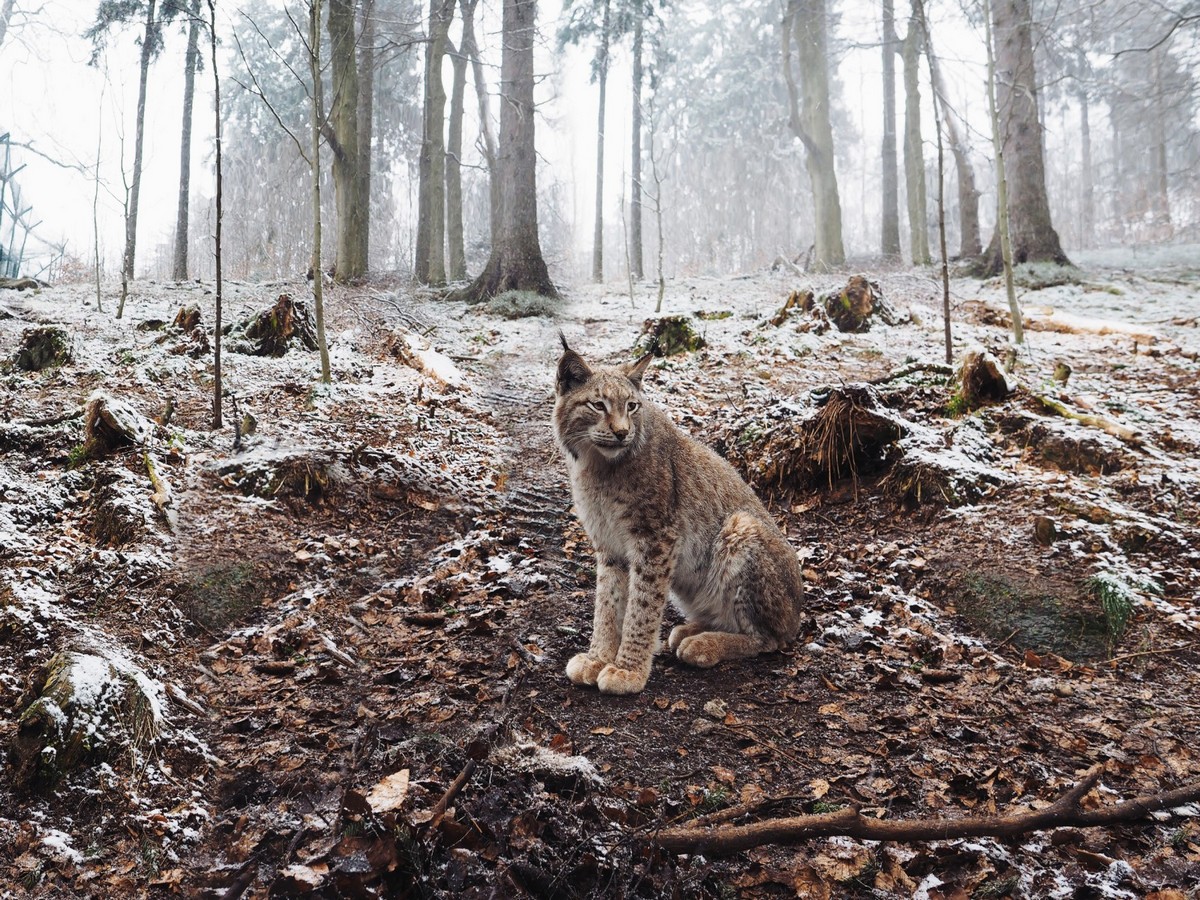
{"x":1042,"y":686}
{"x":716,"y":708}
{"x":702,"y":726}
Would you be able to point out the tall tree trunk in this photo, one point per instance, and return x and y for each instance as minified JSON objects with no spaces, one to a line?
{"x":366,"y":119}
{"x":454,"y":201}
{"x":180,"y":263}
{"x":350,"y":260}
{"x":602,"y":77}
{"x":1118,"y":158}
{"x":970,"y":245}
{"x":1160,"y":189}
{"x":914,"y":148}
{"x":318,"y":106}
{"x":218,"y":392}
{"x":139,"y":139}
{"x":431,"y":227}
{"x":1032,"y":234}
{"x":1087,"y":212}
{"x":890,"y":239}
{"x":1003,"y":218}
{"x":635,"y":187}
{"x":471,"y":51}
{"x":516,"y":262}
{"x":810,"y":122}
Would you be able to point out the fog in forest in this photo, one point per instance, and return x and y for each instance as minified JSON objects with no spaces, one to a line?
{"x":731,"y":137}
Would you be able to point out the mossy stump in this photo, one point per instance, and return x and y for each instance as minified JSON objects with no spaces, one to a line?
{"x":43,"y":347}
{"x":669,"y":336}
{"x":275,"y":330}
{"x":86,"y":709}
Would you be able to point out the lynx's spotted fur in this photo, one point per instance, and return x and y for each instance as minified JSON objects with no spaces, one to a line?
{"x":665,"y":515}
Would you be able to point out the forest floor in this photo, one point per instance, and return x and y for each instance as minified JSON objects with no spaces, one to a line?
{"x":354,"y":625}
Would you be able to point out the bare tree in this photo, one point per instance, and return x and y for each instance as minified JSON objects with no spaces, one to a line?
{"x":516,"y":261}
{"x":456,"y":249}
{"x":430,"y":264}
{"x":1019,"y":125}
{"x":914,"y":150}
{"x":218,"y":391}
{"x":806,"y":22}
{"x":315,"y":130}
{"x":191,"y":58}
{"x":890,"y":237}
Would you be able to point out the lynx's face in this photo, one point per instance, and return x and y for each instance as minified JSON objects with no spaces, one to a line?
{"x":598,"y":411}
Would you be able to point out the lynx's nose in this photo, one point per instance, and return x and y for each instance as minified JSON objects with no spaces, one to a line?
{"x":620,"y":433}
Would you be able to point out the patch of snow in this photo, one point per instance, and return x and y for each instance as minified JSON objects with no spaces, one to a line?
{"x":58,"y":845}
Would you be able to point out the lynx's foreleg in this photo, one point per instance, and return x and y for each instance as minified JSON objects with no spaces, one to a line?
{"x":612,"y":591}
{"x":649,"y":582}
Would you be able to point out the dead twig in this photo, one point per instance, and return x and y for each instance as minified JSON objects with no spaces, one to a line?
{"x":439,"y":809}
{"x":725,"y":840}
{"x":1176,"y":649}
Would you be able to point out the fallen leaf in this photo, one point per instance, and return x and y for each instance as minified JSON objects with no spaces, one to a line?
{"x":389,"y":793}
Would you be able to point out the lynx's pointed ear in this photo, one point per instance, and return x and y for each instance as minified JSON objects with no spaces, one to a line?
{"x":635,"y":372}
{"x":572,"y":370}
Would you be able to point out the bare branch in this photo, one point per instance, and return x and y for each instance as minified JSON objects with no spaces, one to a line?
{"x":725,"y":840}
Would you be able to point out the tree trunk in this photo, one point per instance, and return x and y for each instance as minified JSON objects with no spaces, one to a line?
{"x":602,"y":77}
{"x":6,"y":11}
{"x":471,"y":51}
{"x":635,"y":189}
{"x":1160,"y":205}
{"x":810,"y":122}
{"x":139,"y":139}
{"x":914,"y":150}
{"x":350,"y":259}
{"x":431,"y":226}
{"x":1003,"y":219}
{"x":366,"y":119}
{"x":180,"y":263}
{"x":218,"y":393}
{"x":890,"y":240}
{"x":318,"y":106}
{"x":516,"y":262}
{"x":454,"y":207}
{"x":970,"y":245}
{"x":1032,"y":234}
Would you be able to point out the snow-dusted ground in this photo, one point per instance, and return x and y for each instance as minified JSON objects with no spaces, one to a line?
{"x":439,"y":408}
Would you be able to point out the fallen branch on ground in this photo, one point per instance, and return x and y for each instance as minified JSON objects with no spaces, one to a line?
{"x":1122,"y":432}
{"x":725,"y":840}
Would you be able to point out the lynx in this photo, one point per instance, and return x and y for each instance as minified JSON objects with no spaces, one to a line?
{"x":665,"y":515}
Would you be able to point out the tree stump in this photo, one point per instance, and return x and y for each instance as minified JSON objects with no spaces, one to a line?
{"x":856,"y":305}
{"x":43,"y":347}
{"x":112,"y":424}
{"x":982,"y":379}
{"x":86,"y":709}
{"x":273,"y":331}
{"x":668,"y":336}
{"x":188,"y":318}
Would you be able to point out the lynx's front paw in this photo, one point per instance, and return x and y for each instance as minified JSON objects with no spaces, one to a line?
{"x":584,"y":669}
{"x":614,"y":680}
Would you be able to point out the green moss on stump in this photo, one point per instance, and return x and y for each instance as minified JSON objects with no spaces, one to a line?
{"x":43,"y":347}
{"x":669,"y":336}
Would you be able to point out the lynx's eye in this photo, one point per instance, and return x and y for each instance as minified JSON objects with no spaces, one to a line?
{"x":598,"y":405}
{"x":633,"y":406}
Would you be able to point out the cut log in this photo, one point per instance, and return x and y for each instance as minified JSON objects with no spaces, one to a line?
{"x":22,"y":284}
{"x":43,"y":347}
{"x":187,"y":318}
{"x":87,"y":709}
{"x":416,"y":352}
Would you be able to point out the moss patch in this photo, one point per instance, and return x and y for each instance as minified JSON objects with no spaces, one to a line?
{"x":221,"y":595}
{"x":1037,"y":617}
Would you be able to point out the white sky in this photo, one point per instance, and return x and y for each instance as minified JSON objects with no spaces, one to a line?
{"x":50,"y":96}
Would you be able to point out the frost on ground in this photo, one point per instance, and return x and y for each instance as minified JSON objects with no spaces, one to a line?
{"x":384,"y":577}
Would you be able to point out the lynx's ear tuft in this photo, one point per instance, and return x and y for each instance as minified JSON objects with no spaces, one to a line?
{"x":562,"y":337}
{"x":572,"y":371}
{"x":635,"y":371}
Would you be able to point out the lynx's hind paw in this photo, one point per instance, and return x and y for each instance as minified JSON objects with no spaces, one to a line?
{"x":584,"y":669}
{"x":613,"y":680}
